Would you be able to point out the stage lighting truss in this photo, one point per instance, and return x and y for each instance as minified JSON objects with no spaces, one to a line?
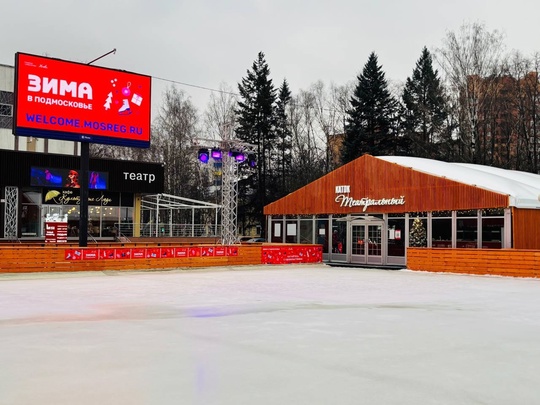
{"x":239,"y":156}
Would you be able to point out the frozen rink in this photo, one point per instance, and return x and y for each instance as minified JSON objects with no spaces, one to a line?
{"x":306,"y":334}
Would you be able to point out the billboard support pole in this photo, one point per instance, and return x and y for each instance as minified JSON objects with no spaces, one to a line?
{"x":83,"y":179}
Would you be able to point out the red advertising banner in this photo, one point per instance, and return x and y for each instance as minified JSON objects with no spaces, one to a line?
{"x":153,"y":253}
{"x":207,"y":251}
{"x":291,"y":254}
{"x":123,"y":253}
{"x":138,"y":253}
{"x":73,"y":254}
{"x":181,"y":252}
{"x":220,"y":251}
{"x":167,"y":252}
{"x":194,"y":252}
{"x":232,"y":251}
{"x":270,"y":254}
{"x":72,"y":101}
{"x":90,"y":254}
{"x":106,"y":253}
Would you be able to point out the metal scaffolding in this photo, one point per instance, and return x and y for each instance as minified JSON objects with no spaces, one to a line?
{"x":229,"y":182}
{"x":229,"y":201}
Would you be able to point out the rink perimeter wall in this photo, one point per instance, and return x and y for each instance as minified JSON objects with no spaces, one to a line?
{"x":30,"y":258}
{"x":500,"y":262}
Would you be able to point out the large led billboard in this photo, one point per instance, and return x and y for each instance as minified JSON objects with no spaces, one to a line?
{"x":59,"y":99}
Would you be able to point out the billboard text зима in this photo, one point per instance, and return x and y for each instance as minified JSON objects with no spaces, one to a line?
{"x":72,"y":101}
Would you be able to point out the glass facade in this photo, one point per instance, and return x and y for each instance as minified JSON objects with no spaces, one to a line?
{"x":396,"y":236}
{"x":389,"y":235}
{"x":321,"y":236}
{"x":467,"y":229}
{"x":104,"y":219}
{"x":339,"y":234}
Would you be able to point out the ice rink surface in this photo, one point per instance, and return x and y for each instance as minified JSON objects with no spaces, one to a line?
{"x":297,"y":334}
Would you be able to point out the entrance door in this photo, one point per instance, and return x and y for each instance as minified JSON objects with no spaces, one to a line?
{"x":366,"y":242}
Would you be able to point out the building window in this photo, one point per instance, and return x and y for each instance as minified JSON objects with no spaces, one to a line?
{"x":441,"y":232}
{"x":396,"y":237}
{"x":322,"y":233}
{"x":492,"y":233}
{"x":467,"y":229}
{"x":306,"y":231}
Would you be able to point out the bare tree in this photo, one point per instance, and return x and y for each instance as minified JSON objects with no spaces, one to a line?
{"x":472,"y":60}
{"x":220,"y":112}
{"x":330,"y":107}
{"x":218,"y":118}
{"x":526,"y":97}
{"x":175,"y":130}
{"x":307,"y":151}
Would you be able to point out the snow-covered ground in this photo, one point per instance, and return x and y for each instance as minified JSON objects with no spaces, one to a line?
{"x":306,"y":334}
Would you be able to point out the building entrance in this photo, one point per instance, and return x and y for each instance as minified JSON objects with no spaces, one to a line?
{"x":366,"y":241}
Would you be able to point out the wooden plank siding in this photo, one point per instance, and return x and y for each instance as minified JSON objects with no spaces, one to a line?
{"x":20,"y":258}
{"x":500,"y":262}
{"x":376,"y":178}
{"x":526,"y":228}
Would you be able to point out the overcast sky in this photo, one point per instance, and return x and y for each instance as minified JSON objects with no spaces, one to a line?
{"x":210,"y":42}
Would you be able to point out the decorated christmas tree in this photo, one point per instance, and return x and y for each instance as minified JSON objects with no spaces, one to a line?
{"x":418,"y":235}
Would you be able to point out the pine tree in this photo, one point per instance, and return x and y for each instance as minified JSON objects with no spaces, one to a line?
{"x":371,"y":123}
{"x":425,"y":109}
{"x":256,"y":125}
{"x":283,"y":143}
{"x":418,"y":235}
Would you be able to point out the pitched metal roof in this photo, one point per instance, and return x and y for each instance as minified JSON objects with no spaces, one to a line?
{"x":523,"y":188}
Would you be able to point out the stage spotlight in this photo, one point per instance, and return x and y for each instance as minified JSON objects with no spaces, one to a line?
{"x":238,"y":156}
{"x":252,"y":161}
{"x":203,"y":155}
{"x":216,"y":154}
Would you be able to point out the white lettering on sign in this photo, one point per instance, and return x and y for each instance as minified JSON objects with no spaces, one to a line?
{"x":343,"y":189}
{"x":345,"y":201}
{"x":59,"y":87}
{"x":149,"y":177}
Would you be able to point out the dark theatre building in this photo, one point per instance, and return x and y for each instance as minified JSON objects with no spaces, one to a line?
{"x":35,"y":186}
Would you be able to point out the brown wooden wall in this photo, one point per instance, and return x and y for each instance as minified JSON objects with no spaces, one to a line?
{"x":19,"y":258}
{"x":375,"y":178}
{"x":501,"y":262}
{"x":526,"y":228}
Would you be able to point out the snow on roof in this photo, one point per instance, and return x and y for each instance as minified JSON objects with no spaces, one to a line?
{"x":522,"y":188}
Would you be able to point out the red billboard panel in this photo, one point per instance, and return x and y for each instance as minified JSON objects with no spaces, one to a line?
{"x":59,"y":99}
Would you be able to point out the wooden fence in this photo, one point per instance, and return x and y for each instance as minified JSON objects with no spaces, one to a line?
{"x":65,"y":257}
{"x":501,"y":262}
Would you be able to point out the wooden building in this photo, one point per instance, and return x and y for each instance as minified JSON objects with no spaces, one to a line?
{"x":372,"y":209}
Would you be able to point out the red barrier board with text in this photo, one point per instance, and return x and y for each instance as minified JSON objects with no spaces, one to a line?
{"x":181,"y":252}
{"x":123,"y":253}
{"x":138,"y":253}
{"x":270,"y":254}
{"x":291,"y":254}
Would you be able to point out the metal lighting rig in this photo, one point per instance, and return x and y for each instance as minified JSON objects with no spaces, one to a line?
{"x":232,"y":153}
